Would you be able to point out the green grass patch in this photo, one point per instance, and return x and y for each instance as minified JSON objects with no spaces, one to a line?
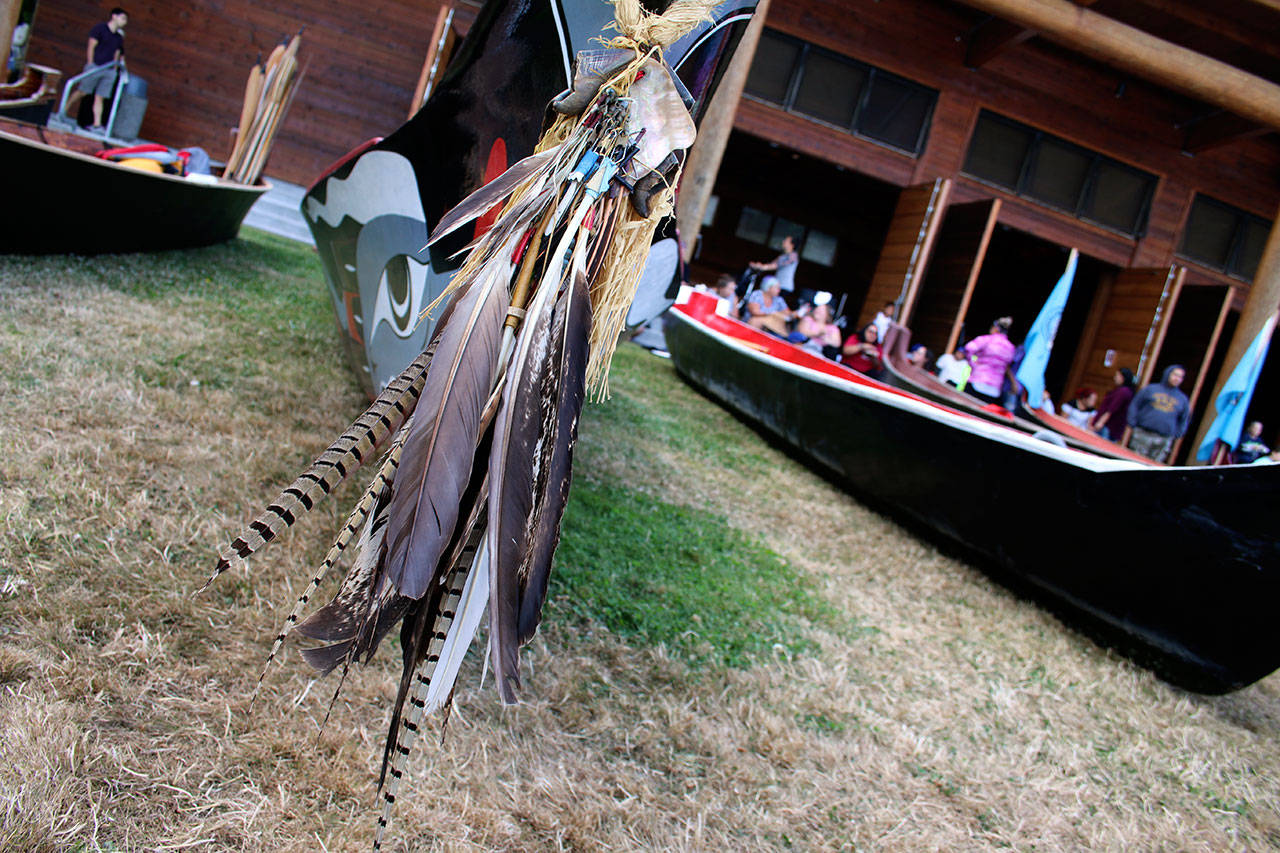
{"x":657,"y":573}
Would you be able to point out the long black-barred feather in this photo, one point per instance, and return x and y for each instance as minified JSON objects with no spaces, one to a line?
{"x":354,"y":524}
{"x":427,"y":620}
{"x":435,"y":633}
{"x":436,"y":464}
{"x":331,"y":467}
{"x":572,"y":328}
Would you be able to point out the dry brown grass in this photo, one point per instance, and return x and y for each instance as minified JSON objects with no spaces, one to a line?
{"x":950,"y":714}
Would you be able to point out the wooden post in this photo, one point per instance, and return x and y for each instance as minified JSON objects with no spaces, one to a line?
{"x":699,"y":176}
{"x":1262,"y":304}
{"x":1144,"y":55}
{"x":1193,"y":396}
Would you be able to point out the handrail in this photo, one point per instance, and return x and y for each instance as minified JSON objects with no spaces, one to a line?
{"x":121,"y":80}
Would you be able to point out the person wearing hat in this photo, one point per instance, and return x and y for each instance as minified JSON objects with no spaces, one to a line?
{"x":990,"y":356}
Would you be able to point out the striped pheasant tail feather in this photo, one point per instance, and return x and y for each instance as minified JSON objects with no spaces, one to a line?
{"x":350,"y":530}
{"x":448,"y":635}
{"x":331,"y":467}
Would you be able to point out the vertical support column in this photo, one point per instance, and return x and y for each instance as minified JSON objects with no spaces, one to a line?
{"x":699,"y":175}
{"x":1262,"y":304}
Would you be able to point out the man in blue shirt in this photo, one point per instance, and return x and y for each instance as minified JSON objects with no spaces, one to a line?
{"x":105,"y":48}
{"x":1159,"y":414}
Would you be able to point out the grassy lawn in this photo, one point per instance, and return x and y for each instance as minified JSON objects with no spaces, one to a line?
{"x":736,"y":655}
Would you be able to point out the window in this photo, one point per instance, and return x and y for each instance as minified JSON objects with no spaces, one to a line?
{"x":853,"y":96}
{"x":1059,"y":174}
{"x":1223,"y":237}
{"x":819,"y":247}
{"x":768,"y":230}
{"x":771,"y":69}
{"x":709,"y":215}
{"x":785,"y":228}
{"x":754,"y":225}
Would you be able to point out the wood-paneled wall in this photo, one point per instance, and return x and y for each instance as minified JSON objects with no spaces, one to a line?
{"x":953,"y":271}
{"x":904,"y":257}
{"x":1037,"y":83}
{"x":362,"y":64}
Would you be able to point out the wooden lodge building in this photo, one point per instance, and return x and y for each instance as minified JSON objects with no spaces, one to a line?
{"x":941,"y":155}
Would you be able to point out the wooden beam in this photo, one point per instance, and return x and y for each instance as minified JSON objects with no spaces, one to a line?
{"x":1218,"y":130}
{"x":971,"y":283}
{"x":699,"y":174}
{"x":439,"y":51}
{"x":991,"y":38}
{"x":1128,"y":48}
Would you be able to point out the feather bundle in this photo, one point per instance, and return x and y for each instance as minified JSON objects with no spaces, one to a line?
{"x":463,"y":516}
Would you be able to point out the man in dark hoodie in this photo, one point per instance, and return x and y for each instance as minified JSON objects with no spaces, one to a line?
{"x":1159,"y":414}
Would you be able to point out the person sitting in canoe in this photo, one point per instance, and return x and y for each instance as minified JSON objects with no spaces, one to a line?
{"x":767,"y":310}
{"x":990,"y":356}
{"x":954,"y":368}
{"x":727,"y":289}
{"x":816,"y":331}
{"x":862,"y":352}
{"x":1251,"y":447}
{"x":1080,"y":409}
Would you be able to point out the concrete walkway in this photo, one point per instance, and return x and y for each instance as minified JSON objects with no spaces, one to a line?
{"x":277,"y":212}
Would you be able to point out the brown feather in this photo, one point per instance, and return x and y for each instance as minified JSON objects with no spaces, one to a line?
{"x":436,"y":464}
{"x":533,"y":436}
{"x":493,"y":192}
{"x":571,"y":328}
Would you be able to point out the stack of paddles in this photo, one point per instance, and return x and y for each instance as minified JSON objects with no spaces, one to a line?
{"x":267,"y":97}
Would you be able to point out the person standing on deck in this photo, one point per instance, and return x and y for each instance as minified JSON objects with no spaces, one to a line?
{"x":990,"y":355}
{"x":884,"y":319}
{"x":1159,"y":414}
{"x":105,"y":47}
{"x":783,"y":267}
{"x":1110,"y":421}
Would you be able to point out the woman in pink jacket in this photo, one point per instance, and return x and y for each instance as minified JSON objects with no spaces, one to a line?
{"x":990,"y":356}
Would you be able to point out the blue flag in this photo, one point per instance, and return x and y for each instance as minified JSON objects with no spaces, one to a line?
{"x":1233,"y":403}
{"x":1039,"y":342}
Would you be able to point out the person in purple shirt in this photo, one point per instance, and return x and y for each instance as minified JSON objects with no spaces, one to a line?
{"x":105,"y":48}
{"x":1111,"y":419}
{"x":990,"y":355}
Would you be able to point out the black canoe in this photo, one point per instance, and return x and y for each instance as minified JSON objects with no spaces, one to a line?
{"x":61,"y":198}
{"x":1186,"y":574}
{"x":371,"y":212}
